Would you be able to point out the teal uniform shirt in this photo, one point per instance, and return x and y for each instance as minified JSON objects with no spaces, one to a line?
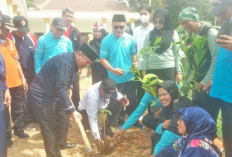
{"x":143,"y":105}
{"x":222,"y":79}
{"x":48,"y":46}
{"x":118,"y":52}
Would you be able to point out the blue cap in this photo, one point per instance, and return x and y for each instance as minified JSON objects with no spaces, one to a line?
{"x":219,"y":6}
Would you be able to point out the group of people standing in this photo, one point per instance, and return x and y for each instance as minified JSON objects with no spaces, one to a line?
{"x":22,"y":62}
{"x":165,"y":63}
{"x":50,"y":68}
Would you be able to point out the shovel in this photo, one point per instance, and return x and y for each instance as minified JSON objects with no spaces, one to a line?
{"x":83,"y":134}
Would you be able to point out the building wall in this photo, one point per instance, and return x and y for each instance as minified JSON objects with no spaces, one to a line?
{"x":3,"y":7}
{"x":36,"y":25}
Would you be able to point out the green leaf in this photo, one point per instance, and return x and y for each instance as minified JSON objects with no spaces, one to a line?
{"x":105,"y":111}
{"x":191,"y":77}
{"x":157,"y":41}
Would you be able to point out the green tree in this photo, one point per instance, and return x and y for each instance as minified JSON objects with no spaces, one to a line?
{"x":176,"y":6}
{"x":135,"y":4}
{"x":30,"y":3}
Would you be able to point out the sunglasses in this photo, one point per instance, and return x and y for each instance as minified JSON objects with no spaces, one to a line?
{"x":60,"y":30}
{"x":119,"y":27}
{"x":158,"y":22}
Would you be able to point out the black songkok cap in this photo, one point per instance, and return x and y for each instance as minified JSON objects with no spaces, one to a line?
{"x":89,"y":52}
{"x":119,"y":18}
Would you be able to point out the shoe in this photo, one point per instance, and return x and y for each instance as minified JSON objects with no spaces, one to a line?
{"x":68,"y":146}
{"x":21,"y":135}
{"x":138,"y":125}
{"x":30,"y":127}
{"x":9,"y":143}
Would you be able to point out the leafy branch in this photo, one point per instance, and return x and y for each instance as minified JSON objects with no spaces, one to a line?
{"x":196,"y":50}
{"x":150,"y":48}
{"x":105,"y":112}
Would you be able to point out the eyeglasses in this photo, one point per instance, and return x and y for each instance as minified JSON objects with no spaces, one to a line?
{"x":180,"y":119}
{"x":158,"y":22}
{"x":119,"y":27}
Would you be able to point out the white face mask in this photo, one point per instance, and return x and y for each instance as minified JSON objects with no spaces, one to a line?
{"x":144,"y":18}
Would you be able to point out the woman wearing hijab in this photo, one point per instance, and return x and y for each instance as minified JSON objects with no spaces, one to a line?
{"x":166,"y":131}
{"x":151,"y":120}
{"x":199,"y":130}
{"x":165,"y":61}
{"x":97,"y":70}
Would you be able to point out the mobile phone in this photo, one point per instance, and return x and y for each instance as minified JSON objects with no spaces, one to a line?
{"x":225,"y":29}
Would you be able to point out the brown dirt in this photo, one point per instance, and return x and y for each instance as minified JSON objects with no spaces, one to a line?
{"x":135,"y":142}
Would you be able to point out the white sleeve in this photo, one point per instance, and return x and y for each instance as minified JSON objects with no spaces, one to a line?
{"x":92,"y":111}
{"x":119,"y":95}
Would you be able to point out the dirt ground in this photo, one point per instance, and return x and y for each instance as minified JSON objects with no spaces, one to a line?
{"x":135,"y":142}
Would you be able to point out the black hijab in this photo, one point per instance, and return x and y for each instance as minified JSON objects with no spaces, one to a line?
{"x":166,"y":33}
{"x":172,"y":111}
{"x":171,"y":88}
{"x":96,"y":43}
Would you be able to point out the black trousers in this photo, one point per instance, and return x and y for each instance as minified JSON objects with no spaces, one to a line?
{"x":139,"y":90}
{"x":150,"y":121}
{"x":118,"y":113}
{"x":226,"y":113}
{"x":17,"y":110}
{"x":62,"y":122}
{"x":28,"y":114}
{"x":45,"y":114}
{"x":98,"y":72}
{"x":210,"y":104}
{"x":213,"y":106}
{"x":164,"y":74}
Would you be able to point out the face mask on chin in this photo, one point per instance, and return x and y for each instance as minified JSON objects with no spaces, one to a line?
{"x":144,"y":18}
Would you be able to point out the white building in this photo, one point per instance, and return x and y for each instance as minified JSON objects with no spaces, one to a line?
{"x":87,"y":12}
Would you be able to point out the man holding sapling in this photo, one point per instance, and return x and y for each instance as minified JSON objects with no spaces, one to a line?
{"x":96,"y":98}
{"x":118,"y":55}
{"x":189,"y":19}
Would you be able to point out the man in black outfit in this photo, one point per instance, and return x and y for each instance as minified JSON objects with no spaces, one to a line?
{"x":62,"y":117}
{"x":50,"y":85}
